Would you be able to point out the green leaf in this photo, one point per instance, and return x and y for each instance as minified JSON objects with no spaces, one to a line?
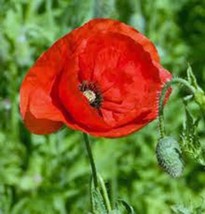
{"x":190,"y":139}
{"x":191,"y":77}
{"x":179,"y":209}
{"x":125,"y":205}
{"x":98,"y":205}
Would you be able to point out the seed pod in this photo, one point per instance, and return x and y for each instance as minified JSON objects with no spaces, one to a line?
{"x":169,"y":156}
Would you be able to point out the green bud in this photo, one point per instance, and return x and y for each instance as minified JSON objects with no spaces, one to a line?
{"x":169,"y":156}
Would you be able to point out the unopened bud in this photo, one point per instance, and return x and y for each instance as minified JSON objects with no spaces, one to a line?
{"x":169,"y":156}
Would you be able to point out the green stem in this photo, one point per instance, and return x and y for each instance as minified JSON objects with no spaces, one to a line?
{"x":162,"y":97}
{"x":104,"y":194}
{"x":91,"y":159}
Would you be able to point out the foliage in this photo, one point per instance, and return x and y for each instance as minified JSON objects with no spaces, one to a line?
{"x":50,"y":174}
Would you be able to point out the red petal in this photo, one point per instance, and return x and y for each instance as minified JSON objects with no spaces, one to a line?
{"x":101,"y":25}
{"x":122,"y":130}
{"x":36,"y":104}
{"x":41,"y":126}
{"x":125,"y":74}
{"x":75,"y":102}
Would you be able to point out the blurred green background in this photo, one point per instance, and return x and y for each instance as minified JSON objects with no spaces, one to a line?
{"x":51,"y":174}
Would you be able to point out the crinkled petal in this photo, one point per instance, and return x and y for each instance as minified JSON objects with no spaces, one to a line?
{"x":75,"y":103}
{"x":36,"y":103}
{"x":100,"y":25}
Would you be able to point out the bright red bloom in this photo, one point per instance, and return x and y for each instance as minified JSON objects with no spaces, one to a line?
{"x":103,"y":78}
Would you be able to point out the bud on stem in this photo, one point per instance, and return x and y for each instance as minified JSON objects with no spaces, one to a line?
{"x":169,"y":156}
{"x":168,"y":150}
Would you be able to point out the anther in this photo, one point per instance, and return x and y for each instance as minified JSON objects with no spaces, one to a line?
{"x":90,"y":95}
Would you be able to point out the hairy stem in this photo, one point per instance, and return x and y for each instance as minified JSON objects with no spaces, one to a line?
{"x":162,"y":97}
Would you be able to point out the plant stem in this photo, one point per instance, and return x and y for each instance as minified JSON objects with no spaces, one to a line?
{"x":161,"y":100}
{"x":91,"y":159}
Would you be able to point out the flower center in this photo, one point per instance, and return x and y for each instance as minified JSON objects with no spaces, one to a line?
{"x":92,"y":93}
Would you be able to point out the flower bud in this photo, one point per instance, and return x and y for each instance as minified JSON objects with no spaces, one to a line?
{"x":169,"y":156}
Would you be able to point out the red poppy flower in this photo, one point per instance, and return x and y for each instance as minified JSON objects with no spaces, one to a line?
{"x":103,"y":78}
